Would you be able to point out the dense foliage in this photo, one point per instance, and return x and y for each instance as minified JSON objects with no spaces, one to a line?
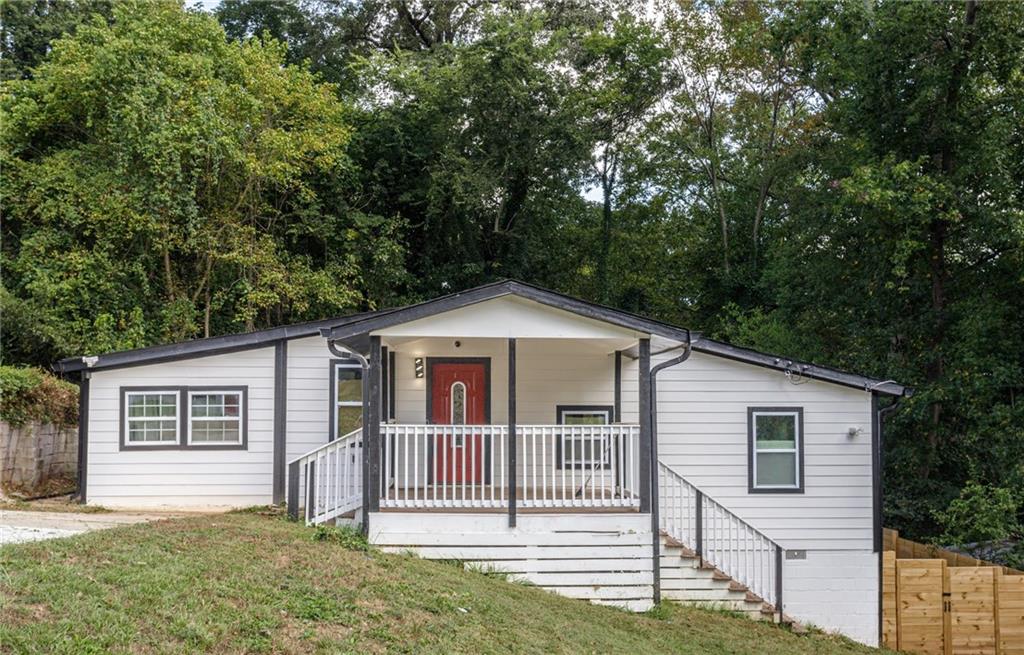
{"x":29,"y":394}
{"x":840,"y":181}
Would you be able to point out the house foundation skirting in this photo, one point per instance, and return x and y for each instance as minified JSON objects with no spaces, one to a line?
{"x":605,"y":558}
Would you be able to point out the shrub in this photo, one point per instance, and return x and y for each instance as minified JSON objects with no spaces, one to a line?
{"x":31,"y":394}
{"x":981,"y":513}
{"x":346,"y":536}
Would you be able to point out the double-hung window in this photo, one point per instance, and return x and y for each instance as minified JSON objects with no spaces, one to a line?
{"x":581,"y":446}
{"x":175,"y":418}
{"x":775,"y":448}
{"x":347,"y":391}
{"x":215,"y":417}
{"x":151,"y":418}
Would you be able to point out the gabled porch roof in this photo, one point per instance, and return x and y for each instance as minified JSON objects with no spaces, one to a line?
{"x":628,"y":323}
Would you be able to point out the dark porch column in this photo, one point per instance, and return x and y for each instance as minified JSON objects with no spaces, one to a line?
{"x":645,"y":425}
{"x":371,"y":436}
{"x":512,"y":433}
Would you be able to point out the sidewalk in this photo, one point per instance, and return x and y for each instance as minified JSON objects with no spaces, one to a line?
{"x":18,"y":526}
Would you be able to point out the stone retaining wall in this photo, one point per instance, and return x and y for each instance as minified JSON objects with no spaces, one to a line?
{"x":33,"y":453}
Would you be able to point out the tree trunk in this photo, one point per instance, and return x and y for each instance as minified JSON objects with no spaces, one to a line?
{"x":937,"y":228}
{"x":607,"y":187}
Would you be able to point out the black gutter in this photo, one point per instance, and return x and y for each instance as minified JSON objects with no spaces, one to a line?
{"x":83,"y":436}
{"x":205,"y":347}
{"x":655,"y":515}
{"x":878,"y":415}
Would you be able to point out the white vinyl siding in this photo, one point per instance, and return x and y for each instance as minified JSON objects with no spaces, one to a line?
{"x":702,"y":435}
{"x":184,"y":477}
{"x":309,"y":395}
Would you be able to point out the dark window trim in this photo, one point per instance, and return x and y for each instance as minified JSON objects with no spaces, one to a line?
{"x":751,"y":488}
{"x":608,"y":409}
{"x":243,"y":417}
{"x":392,"y":374}
{"x":332,"y":399}
{"x":618,"y":387}
{"x":184,"y":416}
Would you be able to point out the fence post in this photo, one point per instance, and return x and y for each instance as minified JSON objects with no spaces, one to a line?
{"x":778,"y":580}
{"x":293,"y":490}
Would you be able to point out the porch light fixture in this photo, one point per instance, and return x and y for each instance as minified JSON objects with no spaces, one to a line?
{"x":418,"y":366}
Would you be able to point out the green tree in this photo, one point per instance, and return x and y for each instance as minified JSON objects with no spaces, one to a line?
{"x":28,"y":27}
{"x":163,"y":182}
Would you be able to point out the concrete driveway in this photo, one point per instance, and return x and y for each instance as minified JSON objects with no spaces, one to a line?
{"x":18,"y":526}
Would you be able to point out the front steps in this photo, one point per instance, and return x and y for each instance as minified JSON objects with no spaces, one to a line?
{"x":685,"y":580}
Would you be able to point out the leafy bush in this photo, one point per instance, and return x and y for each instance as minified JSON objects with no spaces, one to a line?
{"x":345,"y":536}
{"x":31,"y":394}
{"x":981,"y":513}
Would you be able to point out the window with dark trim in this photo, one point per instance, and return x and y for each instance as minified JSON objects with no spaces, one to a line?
{"x":578,"y":447}
{"x":178,"y":418}
{"x":151,"y":417}
{"x":215,"y":417}
{"x":775,"y":444}
{"x":346,"y":397}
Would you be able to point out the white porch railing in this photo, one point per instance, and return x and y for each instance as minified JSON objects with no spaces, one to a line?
{"x":330,"y":478}
{"x":579,"y":465}
{"x":444,"y":465}
{"x":719,"y":537}
{"x":466,"y":466}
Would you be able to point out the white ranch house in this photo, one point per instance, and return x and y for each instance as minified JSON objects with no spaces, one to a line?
{"x":590,"y":451}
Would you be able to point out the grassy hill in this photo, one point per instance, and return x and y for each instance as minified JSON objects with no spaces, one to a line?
{"x":247,"y":582}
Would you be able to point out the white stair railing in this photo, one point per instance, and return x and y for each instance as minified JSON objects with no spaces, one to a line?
{"x":719,"y":537}
{"x":327,"y":481}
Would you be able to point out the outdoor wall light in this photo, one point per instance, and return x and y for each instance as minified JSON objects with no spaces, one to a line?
{"x":418,"y":366}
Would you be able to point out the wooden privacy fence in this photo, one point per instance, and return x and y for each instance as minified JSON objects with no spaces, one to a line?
{"x":907,"y":549}
{"x":932,"y":608}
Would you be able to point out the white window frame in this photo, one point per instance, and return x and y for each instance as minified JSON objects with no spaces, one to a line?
{"x":128,"y":394}
{"x":604,"y":460}
{"x":336,"y":366}
{"x":797,"y":451}
{"x":242,"y":409}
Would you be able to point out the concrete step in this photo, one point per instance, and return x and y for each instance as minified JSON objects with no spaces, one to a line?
{"x":687,"y":579}
{"x":705,"y":595}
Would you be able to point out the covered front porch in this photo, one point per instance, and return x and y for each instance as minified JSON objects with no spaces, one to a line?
{"x":503,"y":405}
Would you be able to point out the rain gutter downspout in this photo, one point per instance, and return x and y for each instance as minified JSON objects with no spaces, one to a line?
{"x":877,"y":428}
{"x":332,"y":345}
{"x":655,"y":516}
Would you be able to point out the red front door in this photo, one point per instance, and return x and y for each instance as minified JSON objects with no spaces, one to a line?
{"x":458,"y":398}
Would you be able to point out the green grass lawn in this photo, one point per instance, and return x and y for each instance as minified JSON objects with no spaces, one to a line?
{"x":247,"y":582}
